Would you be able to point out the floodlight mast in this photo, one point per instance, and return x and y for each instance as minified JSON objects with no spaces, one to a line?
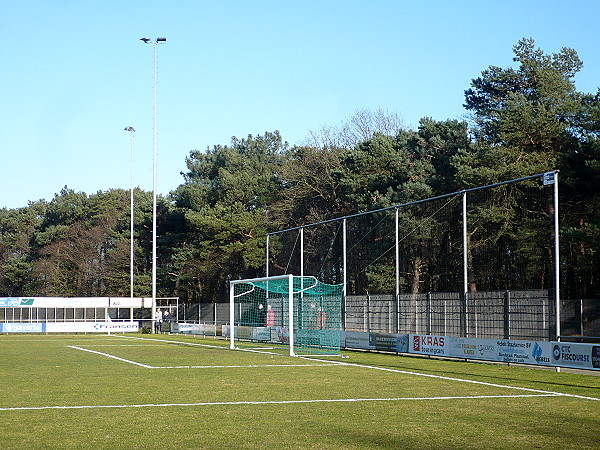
{"x":155,"y":44}
{"x":132,"y":131}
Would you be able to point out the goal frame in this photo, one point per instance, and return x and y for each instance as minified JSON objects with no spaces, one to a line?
{"x":232,"y":298}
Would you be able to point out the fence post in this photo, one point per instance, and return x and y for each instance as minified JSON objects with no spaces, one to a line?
{"x":475,"y":317}
{"x":398,"y":313}
{"x":390,"y":318}
{"x":581,"y":317}
{"x":465,"y":316}
{"x":368,"y":312}
{"x":507,"y":315}
{"x":445,"y":318}
{"x":344,"y":313}
{"x":429,"y":313}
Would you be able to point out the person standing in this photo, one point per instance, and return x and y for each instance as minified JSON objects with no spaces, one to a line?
{"x":158,"y":318}
{"x":321,"y":318}
{"x":270,"y":316}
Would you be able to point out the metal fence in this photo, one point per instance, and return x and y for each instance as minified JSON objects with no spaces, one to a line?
{"x":580,"y":320}
{"x":504,"y":314}
{"x":527,"y":314}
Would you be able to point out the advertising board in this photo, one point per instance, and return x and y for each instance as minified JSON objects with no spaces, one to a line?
{"x":92,"y":327}
{"x":364,"y":340}
{"x":542,"y":353}
{"x":577,"y":356}
{"x":73,"y":302}
{"x":22,"y":327}
{"x":422,"y":344}
{"x":70,"y":327}
{"x":194,"y":328}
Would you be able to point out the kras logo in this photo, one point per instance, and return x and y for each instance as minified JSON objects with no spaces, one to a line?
{"x":416,"y":343}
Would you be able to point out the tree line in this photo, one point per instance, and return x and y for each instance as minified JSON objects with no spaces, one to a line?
{"x":523,"y":120}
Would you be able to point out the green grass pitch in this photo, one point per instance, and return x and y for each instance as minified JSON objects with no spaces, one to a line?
{"x":142,"y":391}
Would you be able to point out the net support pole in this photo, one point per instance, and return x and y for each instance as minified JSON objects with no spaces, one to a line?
{"x":556,"y":260}
{"x":397,"y":254}
{"x":231,"y":315}
{"x":397,"y":243}
{"x":267,"y":269}
{"x":465,"y":262}
{"x":291,"y":313}
{"x":302,"y":252}
{"x":345,"y":269}
{"x":301,"y":262}
{"x":267,"y":258}
{"x":556,"y":257}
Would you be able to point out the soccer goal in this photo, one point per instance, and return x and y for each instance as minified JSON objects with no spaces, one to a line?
{"x":299,"y":313}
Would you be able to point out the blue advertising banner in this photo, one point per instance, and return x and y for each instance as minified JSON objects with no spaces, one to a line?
{"x":542,"y":353}
{"x":22,"y":327}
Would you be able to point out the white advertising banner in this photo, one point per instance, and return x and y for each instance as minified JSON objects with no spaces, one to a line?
{"x":543,"y":353}
{"x":70,"y":327}
{"x":193,"y":328}
{"x":92,"y":327}
{"x":501,"y":350}
{"x":422,"y":344}
{"x":358,"y":339}
{"x":576,"y":356}
{"x":73,"y":302}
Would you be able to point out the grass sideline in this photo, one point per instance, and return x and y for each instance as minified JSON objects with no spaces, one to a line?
{"x":133,"y":391}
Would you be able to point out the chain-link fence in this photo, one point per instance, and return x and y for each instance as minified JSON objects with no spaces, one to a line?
{"x":503,"y":314}
{"x":580,"y":320}
{"x":528,"y":314}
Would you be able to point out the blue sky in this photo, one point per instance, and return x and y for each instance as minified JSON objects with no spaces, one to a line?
{"x":74,"y":74}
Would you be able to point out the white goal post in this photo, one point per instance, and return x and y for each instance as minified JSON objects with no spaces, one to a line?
{"x":299,"y":313}
{"x":250,"y":282}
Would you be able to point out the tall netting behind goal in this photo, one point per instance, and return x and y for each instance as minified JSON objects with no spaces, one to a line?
{"x":290,"y":312}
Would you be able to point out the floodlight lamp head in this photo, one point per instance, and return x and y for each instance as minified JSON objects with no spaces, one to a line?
{"x":161,"y":40}
{"x":146,"y":40}
{"x":130,"y":129}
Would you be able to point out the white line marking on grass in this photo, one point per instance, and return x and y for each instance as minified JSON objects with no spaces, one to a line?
{"x":280,"y":402}
{"x":110,"y":356}
{"x":441,"y":377}
{"x":238,"y":366}
{"x":124,"y":345}
{"x":176,"y":342}
{"x":146,"y":366}
{"x":220,"y":347}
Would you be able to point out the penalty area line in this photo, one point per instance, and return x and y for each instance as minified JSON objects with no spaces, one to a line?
{"x":146,"y":366}
{"x":240,"y":366}
{"x":277,"y":402}
{"x":166,"y":341}
{"x":110,"y":356}
{"x":463,"y":380}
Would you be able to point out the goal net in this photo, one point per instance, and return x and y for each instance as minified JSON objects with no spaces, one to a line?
{"x":291,"y":312}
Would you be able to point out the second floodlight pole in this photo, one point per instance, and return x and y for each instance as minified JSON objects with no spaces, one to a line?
{"x":155,"y":43}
